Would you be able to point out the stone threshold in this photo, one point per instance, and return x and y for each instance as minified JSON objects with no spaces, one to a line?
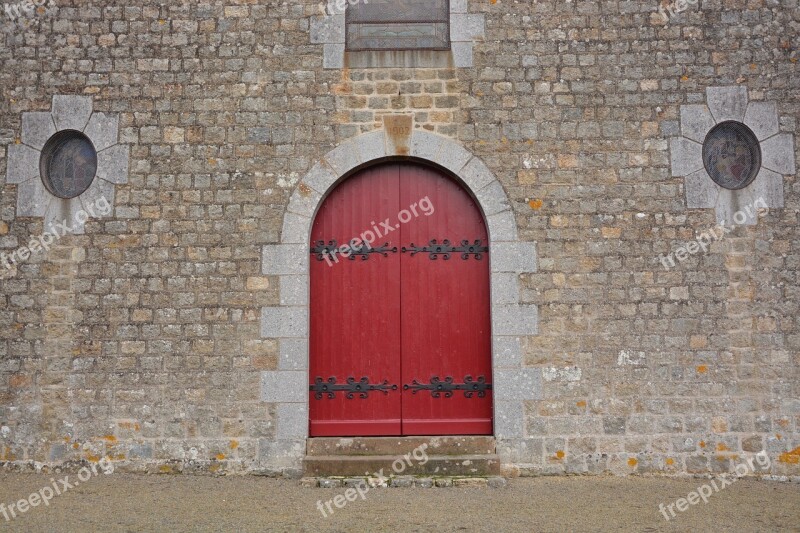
{"x":494,"y":482}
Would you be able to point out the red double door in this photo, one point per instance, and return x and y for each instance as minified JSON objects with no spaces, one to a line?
{"x":400,"y":316}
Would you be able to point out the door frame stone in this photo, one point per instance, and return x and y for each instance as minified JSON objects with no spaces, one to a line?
{"x":289,"y":260}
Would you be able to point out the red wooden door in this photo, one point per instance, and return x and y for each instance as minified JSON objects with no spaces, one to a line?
{"x":355,"y":310}
{"x":400,"y":328}
{"x":445,"y":324}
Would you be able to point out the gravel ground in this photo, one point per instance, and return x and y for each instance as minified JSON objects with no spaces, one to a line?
{"x":120,"y":502}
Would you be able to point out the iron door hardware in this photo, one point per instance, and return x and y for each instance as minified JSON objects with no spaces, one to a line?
{"x":362,"y":387}
{"x":447,"y":386}
{"x":434,"y":249}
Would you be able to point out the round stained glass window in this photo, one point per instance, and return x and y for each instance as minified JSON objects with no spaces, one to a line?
{"x":732,"y":155}
{"x":68,"y":164}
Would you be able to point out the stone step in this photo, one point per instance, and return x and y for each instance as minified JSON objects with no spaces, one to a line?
{"x":369,"y":465}
{"x":398,"y":446}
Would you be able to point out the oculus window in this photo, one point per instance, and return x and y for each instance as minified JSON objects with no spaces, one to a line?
{"x":731,"y":155}
{"x":68,"y":164}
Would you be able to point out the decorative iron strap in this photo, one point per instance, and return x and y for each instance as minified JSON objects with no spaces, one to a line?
{"x":445,"y":249}
{"x":437,"y":387}
{"x":321,"y":250}
{"x":362,"y":387}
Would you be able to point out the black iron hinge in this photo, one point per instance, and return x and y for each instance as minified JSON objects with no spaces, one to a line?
{"x":362,"y":387}
{"x":448,"y":386}
{"x":434,"y":249}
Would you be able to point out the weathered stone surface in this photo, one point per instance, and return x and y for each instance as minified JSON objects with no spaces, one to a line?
{"x":762,"y":118}
{"x":293,"y":354}
{"x":284,"y":386}
{"x":37,"y":128}
{"x":727,"y":103}
{"x":696,"y":122}
{"x":686,"y":157}
{"x":515,"y":319}
{"x":701,"y":191}
{"x":228,"y":111}
{"x":280,"y":259}
{"x":778,"y":154}
{"x":112,"y":164}
{"x":515,"y":257}
{"x":327,"y":29}
{"x":507,"y":352}
{"x":294,"y":290}
{"x":516,"y":384}
{"x":476,"y":174}
{"x":466,"y":27}
{"x":32,"y":198}
{"x":292,"y":419}
{"x":23,"y":163}
{"x":103,"y":130}
{"x":71,"y":112}
{"x":284,"y":322}
{"x":333,"y":55}
{"x":320,"y":178}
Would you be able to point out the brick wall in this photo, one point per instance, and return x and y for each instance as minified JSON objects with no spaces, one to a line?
{"x":140,"y":339}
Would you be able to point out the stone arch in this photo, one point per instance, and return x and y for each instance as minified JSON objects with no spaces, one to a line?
{"x":289,"y":260}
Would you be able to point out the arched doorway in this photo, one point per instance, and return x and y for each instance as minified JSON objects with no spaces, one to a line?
{"x":400,"y":340}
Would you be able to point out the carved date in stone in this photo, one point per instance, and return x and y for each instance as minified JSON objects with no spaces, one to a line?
{"x":362,"y":387}
{"x":445,"y":248}
{"x":447,"y":386}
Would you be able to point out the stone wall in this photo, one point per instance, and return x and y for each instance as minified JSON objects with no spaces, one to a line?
{"x":141,"y":339}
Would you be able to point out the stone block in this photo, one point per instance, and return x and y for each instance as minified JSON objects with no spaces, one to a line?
{"x":284,"y":322}
{"x":333,"y":55}
{"x":509,"y":421}
{"x":768,"y":186}
{"x":727,"y":103}
{"x":23,"y":164}
{"x":476,"y":174}
{"x":283,"y":259}
{"x":493,"y":199}
{"x":296,"y":229}
{"x":103,"y":130}
{"x":304,"y":201}
{"x":517,"y":257}
{"x":37,"y":128}
{"x":293,"y":354}
{"x":517,"y":384}
{"x":293,"y":418}
{"x":686,"y":156}
{"x":513,"y":320}
{"x":701,"y":191}
{"x":344,"y":158}
{"x":696,"y":122}
{"x":502,"y":227}
{"x":507,"y":352}
{"x":280,"y":386}
{"x":463,"y":54}
{"x":505,"y":288}
{"x":762,"y":118}
{"x":32,"y":198}
{"x":328,"y":29}
{"x":112,"y":164}
{"x":320,"y":178}
{"x":778,"y":154}
{"x":71,"y":112}
{"x":294,"y":290}
{"x":467,"y":27}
